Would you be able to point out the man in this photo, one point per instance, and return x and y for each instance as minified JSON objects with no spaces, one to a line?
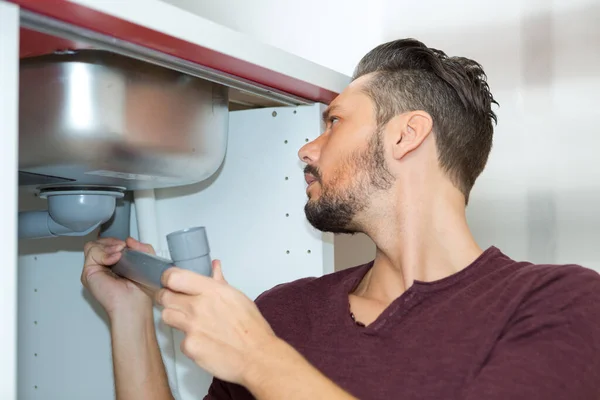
{"x":432,"y":317}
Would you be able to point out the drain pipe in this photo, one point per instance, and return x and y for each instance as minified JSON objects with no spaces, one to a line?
{"x":119,"y":225}
{"x":147,"y":223}
{"x":72,"y":211}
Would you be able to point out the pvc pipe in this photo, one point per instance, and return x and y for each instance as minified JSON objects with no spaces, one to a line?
{"x":147,"y":223}
{"x":119,"y":226}
{"x":34,"y":224}
{"x":190,"y":250}
{"x":76,"y":214}
{"x":39,"y":224}
{"x":188,"y":247}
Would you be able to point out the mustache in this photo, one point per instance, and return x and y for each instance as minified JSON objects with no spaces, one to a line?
{"x":312,"y":170}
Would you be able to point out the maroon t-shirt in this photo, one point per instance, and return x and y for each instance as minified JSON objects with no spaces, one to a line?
{"x":497,"y":330}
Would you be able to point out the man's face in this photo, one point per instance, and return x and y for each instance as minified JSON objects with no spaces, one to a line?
{"x":345,"y":165}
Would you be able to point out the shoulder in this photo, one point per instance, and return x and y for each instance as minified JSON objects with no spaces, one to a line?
{"x":537,"y":279}
{"x":570,"y":291}
{"x":555,"y":279}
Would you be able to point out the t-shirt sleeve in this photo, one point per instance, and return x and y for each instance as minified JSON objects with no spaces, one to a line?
{"x":551,"y":348}
{"x":218,"y":390}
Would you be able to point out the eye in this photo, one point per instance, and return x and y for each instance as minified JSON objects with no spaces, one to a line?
{"x":332,"y":120}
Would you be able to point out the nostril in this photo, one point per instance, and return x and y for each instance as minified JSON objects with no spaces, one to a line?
{"x":309,"y":153}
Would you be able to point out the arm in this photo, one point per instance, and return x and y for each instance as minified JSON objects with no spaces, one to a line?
{"x":280,"y":372}
{"x":138,"y":368}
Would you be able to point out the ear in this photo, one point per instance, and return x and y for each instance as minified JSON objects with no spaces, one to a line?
{"x":408,"y":131}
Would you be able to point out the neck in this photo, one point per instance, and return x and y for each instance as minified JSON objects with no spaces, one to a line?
{"x":426,"y":241}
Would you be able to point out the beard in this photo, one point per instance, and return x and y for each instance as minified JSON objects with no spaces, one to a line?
{"x":336,"y":209}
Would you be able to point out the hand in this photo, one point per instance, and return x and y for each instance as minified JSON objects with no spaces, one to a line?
{"x":114,"y":293}
{"x":224,"y":330}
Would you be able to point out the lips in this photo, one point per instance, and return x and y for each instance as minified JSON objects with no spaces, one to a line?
{"x":309,"y":178}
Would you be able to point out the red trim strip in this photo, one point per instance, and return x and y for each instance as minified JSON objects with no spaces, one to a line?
{"x":32,"y":43}
{"x":106,"y":24}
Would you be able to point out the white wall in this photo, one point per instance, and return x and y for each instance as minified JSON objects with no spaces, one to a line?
{"x":333,"y":33}
{"x":538,"y":197}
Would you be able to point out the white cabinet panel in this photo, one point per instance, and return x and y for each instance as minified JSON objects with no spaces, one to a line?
{"x":9,"y":76}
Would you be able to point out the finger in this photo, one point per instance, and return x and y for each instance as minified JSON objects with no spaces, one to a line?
{"x":94,"y":273}
{"x":106,"y":241}
{"x":99,"y":254}
{"x":217,"y":272}
{"x":109,"y":245}
{"x":175,"y":319}
{"x":191,"y":346}
{"x":139,"y":246}
{"x":150,"y":292}
{"x":93,"y":270}
{"x":185,"y":281}
{"x":174,"y":301}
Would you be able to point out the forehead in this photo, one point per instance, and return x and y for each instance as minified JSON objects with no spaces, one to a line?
{"x":353,"y":100}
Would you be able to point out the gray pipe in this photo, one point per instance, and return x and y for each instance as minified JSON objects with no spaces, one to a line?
{"x":69,"y":214}
{"x":189,"y":250}
{"x":118,"y":226}
{"x":39,"y":224}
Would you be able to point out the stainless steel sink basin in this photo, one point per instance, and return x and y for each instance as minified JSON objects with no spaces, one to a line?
{"x":95,"y":117}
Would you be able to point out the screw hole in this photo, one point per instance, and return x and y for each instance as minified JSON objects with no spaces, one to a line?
{"x":35,"y":258}
{"x":287,"y":215}
{"x":295,"y":111}
{"x":306,"y":140}
{"x":35,"y":322}
{"x":287,"y":252}
{"x":308,"y":251}
{"x":35,"y":290}
{"x":35,"y":386}
{"x":286,"y":178}
{"x":35,"y":354}
{"x":274,"y":113}
{"x":285,"y":141}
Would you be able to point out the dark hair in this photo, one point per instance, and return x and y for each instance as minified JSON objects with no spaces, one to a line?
{"x":410,"y":76}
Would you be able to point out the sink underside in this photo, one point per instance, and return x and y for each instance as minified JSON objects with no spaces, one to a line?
{"x":95,"y":117}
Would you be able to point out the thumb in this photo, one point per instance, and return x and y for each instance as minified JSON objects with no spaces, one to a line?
{"x":218,"y":271}
{"x":139,"y":246}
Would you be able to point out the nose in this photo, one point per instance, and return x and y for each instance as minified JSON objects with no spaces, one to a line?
{"x":310,"y":152}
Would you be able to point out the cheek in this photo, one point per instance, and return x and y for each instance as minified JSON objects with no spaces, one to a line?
{"x":341,"y":163}
{"x":340,"y":177}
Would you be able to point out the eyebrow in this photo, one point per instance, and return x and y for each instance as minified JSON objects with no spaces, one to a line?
{"x":328,"y":112}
